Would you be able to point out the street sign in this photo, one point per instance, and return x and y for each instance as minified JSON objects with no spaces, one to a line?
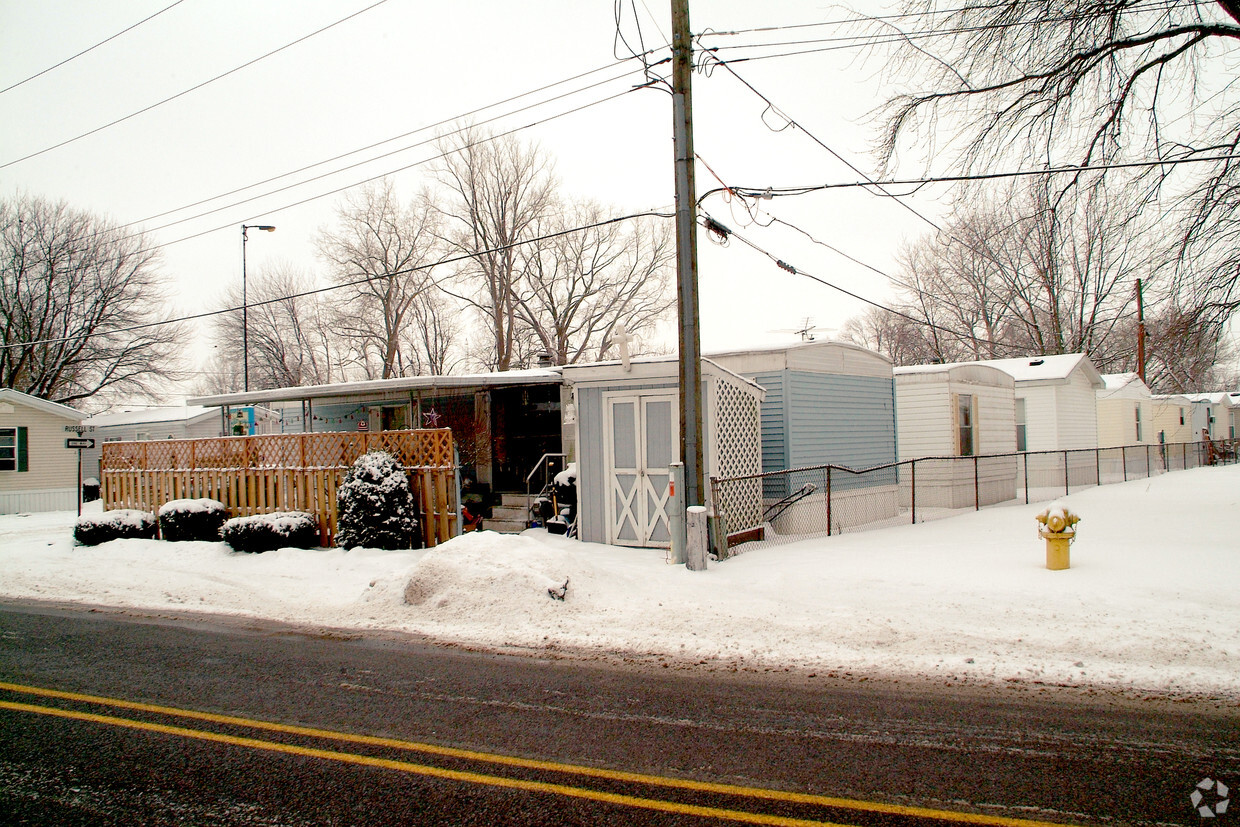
{"x":79,"y":443}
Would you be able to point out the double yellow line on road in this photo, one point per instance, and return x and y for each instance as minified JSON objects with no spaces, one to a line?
{"x":485,"y":757}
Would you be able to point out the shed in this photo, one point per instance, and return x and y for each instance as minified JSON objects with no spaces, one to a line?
{"x":1172,"y":418}
{"x":628,"y":435}
{"x":826,"y":403}
{"x":1056,"y":401}
{"x":1125,"y":412}
{"x":958,"y":410}
{"x":171,"y":422}
{"x":37,"y":471}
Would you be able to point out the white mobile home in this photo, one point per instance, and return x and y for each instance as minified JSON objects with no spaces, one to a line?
{"x":173,"y":422}
{"x":628,"y":435}
{"x":958,"y":410}
{"x":1056,"y":401}
{"x":37,"y":471}
{"x":1211,"y":415}
{"x":1172,"y":419}
{"x":1125,"y":412}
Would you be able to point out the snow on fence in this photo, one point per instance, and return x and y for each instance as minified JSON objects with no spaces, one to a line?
{"x":281,"y":472}
{"x":831,"y":499}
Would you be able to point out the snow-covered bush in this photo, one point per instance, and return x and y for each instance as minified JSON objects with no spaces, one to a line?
{"x":375,"y":505}
{"x":121,"y":524}
{"x":199,"y":519}
{"x":265,"y":532}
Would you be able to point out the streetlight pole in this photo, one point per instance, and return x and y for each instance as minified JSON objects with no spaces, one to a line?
{"x":245,"y":304}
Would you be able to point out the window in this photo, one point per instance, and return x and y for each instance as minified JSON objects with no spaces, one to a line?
{"x":13,"y":449}
{"x":1021,"y":434}
{"x":964,"y":421}
{"x":1181,"y":416}
{"x":1138,"y":410}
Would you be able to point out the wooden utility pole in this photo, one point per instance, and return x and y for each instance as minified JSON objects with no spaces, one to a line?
{"x":1140,"y":333}
{"x":686,"y":258}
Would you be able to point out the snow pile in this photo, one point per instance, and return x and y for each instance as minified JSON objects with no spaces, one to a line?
{"x":960,"y":600}
{"x":202,"y":505}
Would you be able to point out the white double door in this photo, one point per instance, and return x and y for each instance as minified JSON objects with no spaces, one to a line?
{"x":642,"y":433}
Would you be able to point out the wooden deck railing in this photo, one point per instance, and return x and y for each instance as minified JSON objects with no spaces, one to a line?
{"x":280,"y":472}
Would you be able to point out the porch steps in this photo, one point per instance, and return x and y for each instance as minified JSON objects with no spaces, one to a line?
{"x":509,"y":517}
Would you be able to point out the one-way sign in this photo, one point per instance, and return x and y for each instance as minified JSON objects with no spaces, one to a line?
{"x":79,"y":443}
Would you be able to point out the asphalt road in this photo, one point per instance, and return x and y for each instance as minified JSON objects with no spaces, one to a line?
{"x":106,"y":718}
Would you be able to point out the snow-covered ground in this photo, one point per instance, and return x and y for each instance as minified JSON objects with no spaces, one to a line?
{"x":1151,"y":603}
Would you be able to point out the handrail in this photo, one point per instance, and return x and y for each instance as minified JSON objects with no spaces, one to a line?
{"x":529,"y":503}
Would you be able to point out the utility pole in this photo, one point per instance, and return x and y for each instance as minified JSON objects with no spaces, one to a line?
{"x":1140,"y":333}
{"x":686,"y":258}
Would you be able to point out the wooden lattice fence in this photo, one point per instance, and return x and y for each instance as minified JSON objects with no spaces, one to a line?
{"x":280,"y":472}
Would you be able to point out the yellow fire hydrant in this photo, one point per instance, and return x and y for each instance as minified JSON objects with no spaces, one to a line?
{"x":1057,"y":528}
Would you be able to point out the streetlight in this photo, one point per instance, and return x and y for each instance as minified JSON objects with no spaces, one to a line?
{"x":245,"y":319}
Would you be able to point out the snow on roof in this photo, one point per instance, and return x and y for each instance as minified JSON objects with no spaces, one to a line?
{"x":144,"y":416}
{"x":1116,"y":381}
{"x":55,"y":408}
{"x":1035,"y":368}
{"x":1209,"y":398}
{"x":775,"y":347}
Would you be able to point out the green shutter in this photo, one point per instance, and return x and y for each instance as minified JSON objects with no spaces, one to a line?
{"x":23,"y":463}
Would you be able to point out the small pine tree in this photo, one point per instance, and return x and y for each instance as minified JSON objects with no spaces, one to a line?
{"x":375,"y":505}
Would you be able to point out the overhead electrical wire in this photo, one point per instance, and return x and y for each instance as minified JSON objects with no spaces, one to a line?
{"x":453,"y":119}
{"x":90,"y":48}
{"x":340,"y":189}
{"x":409,"y":271}
{"x":375,"y":158}
{"x":194,"y":88}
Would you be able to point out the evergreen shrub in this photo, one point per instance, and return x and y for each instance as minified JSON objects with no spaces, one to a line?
{"x":199,"y":519}
{"x":265,"y":532}
{"x":374,"y":505}
{"x":120,"y":524}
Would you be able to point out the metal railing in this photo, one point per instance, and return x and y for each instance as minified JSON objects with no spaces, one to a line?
{"x":549,"y":467}
{"x":824,"y":500}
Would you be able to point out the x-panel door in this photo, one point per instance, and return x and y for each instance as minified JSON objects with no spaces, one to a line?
{"x":642,"y":445}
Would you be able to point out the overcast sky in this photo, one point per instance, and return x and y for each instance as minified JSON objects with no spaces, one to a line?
{"x":402,"y":66}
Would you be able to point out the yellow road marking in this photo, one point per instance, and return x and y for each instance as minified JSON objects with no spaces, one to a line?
{"x":534,"y":764}
{"x":422,"y":769}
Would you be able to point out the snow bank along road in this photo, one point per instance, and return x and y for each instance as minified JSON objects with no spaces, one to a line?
{"x":1150,"y":605}
{"x":105,"y":719}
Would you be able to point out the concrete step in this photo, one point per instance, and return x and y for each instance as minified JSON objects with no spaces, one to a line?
{"x":507,"y":519}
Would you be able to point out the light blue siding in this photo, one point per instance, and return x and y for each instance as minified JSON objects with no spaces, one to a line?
{"x":819,"y":419}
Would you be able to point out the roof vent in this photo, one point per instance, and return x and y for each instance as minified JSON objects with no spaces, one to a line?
{"x":1036,"y":362}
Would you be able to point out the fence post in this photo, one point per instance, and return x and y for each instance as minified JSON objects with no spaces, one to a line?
{"x":695,"y":550}
{"x":1025,"y":462}
{"x":828,"y":500}
{"x":1065,"y":473}
{"x":1123,"y":455}
{"x":676,"y":511}
{"x":913,"y":491}
{"x":1097,"y":466}
{"x":1148,"y":473}
{"x":977,"y":490}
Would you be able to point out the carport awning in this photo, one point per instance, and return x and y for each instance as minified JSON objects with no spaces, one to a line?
{"x":509,"y":378}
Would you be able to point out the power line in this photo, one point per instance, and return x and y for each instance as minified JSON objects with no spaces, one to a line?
{"x":381,"y":175}
{"x":354,"y":283}
{"x":765,"y":192}
{"x":377,"y":144}
{"x":91,"y":48}
{"x":375,"y":158}
{"x":192,"y":88}
{"x":796,"y":271}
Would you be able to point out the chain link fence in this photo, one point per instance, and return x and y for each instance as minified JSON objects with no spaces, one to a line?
{"x":824,"y":500}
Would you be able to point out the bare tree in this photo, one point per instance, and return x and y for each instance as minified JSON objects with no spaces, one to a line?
{"x":577,"y":288}
{"x":1031,"y":273}
{"x":497,"y":192}
{"x":384,"y":254}
{"x":290,"y":334}
{"x":81,"y":305}
{"x":1048,"y":83}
